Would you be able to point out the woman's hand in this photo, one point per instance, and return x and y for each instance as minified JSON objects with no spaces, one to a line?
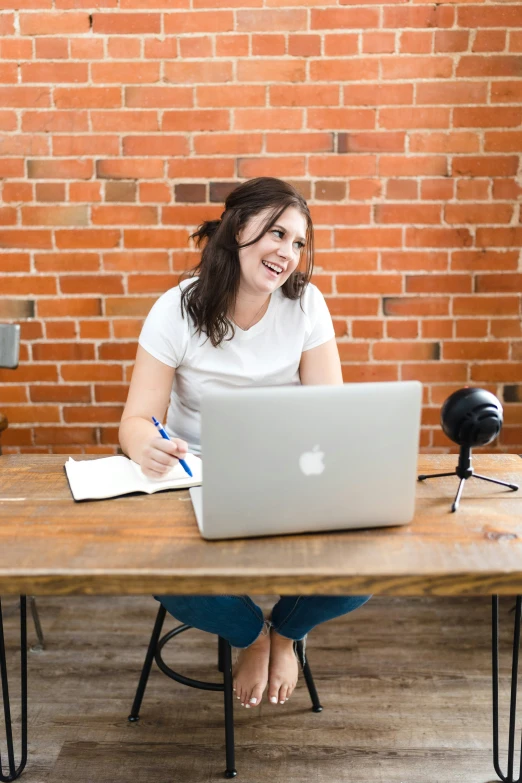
{"x":160,"y":455}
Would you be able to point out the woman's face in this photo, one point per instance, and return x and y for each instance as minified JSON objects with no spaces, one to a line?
{"x":268,"y":263}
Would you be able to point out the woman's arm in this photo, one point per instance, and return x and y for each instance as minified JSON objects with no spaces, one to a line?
{"x":321,"y":365}
{"x":148,"y":396}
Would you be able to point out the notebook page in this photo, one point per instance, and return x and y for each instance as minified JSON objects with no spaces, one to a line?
{"x":176,"y":477}
{"x":101,"y":478}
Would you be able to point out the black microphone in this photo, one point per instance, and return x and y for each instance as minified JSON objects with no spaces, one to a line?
{"x":470,"y":417}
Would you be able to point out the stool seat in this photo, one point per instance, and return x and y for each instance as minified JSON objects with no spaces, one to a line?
{"x":154,"y":651}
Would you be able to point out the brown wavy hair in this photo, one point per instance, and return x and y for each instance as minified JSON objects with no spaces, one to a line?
{"x":212,"y":294}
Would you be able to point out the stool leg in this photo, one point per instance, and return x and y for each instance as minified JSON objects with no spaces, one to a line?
{"x":509,"y":777}
{"x":299,"y":649}
{"x":134,"y":715}
{"x":14,"y":771}
{"x":221,"y":643}
{"x":225,"y":655}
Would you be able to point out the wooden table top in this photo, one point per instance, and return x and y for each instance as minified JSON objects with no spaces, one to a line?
{"x":143,"y":544}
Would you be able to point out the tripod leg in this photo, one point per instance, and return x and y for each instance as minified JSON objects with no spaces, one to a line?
{"x":14,"y":772}
{"x":513,"y":701}
{"x":457,"y":496}
{"x":435,"y":475}
{"x":496,"y":481}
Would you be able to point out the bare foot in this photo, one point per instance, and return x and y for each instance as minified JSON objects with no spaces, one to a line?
{"x":283,"y":668}
{"x":250,"y":674}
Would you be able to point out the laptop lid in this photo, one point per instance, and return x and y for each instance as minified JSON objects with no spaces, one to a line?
{"x":280,"y":460}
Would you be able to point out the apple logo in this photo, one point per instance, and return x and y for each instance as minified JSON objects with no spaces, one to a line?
{"x":311,"y":462}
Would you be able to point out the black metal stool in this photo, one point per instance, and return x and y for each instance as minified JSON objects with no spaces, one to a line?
{"x":224,"y":665}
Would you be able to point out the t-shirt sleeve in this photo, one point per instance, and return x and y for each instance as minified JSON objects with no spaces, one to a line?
{"x":165,"y":332}
{"x":319,"y":321}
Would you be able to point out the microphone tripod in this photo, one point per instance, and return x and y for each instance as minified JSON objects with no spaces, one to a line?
{"x":464,"y":470}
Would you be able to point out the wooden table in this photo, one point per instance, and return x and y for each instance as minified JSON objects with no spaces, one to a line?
{"x":150,"y":544}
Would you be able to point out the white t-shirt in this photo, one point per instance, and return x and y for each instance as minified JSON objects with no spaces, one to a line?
{"x":267,"y":354}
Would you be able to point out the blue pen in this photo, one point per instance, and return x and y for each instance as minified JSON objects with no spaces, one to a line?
{"x":166,"y":437}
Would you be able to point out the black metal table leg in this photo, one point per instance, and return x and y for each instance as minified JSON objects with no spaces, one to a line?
{"x":14,"y":771}
{"x":507,"y":778}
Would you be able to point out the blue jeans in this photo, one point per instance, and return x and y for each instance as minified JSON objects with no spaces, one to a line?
{"x":240,"y":621}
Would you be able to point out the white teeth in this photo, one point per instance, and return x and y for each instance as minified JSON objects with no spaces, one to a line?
{"x":274,"y":268}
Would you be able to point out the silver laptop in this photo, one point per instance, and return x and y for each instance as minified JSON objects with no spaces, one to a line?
{"x":296,"y":459}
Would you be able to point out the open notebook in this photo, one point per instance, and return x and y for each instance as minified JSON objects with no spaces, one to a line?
{"x":110,"y":477}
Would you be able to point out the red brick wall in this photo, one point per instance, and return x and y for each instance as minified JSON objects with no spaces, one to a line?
{"x":123,"y":125}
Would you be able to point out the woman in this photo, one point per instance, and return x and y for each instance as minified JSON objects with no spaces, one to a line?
{"x":247,"y":316}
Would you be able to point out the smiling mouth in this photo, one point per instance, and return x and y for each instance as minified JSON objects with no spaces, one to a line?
{"x":273,"y":267}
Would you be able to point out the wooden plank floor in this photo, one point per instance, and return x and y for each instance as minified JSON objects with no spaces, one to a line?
{"x":405,"y":685}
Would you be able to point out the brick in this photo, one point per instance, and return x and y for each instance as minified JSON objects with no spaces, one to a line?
{"x":218,"y":191}
{"x":369,"y":329}
{"x":349,"y":165}
{"x":220,"y":144}
{"x":506,"y":91}
{"x":155,"y":193}
{"x":30,"y":284}
{"x":54,"y":73}
{"x":50,"y":191}
{"x":435,"y":372}
{"x":94,"y":330}
{"x":51,"y":48}
{"x":439,"y":284}
{"x":492,"y":16}
{"x":365,"y":189}
{"x":231,"y":95}
{"x":15,"y":262}
{"x":60,"y":393}
{"x":7,"y":216}
{"x":486,"y":305}
{"x":91,"y":372}
{"x":472,"y":189}
{"x":272,"y":70}
{"x":157,"y":97}
{"x":413,"y":117}
{"x":343,"y":18}
{"x":343,"y":70}
{"x":502,"y":141}
{"x":122,"y":72}
{"x":63,"y":352}
{"x":13,"y":309}
{"x":16,"y":238}
{"x":353,"y":305}
{"x":402,"y":189}
{"x":268,"y":119}
{"x":26,"y":414}
{"x":330,"y":190}
{"x":506,"y":189}
{"x":431,"y":67}
{"x":268,"y":45}
{"x":499,"y":372}
{"x":91,"y":284}
{"x":159,"y":238}
{"x":54,"y":23}
{"x":127,"y":328}
{"x":492,"y":283}
{"x":129,"y":169}
{"x":488,"y":65}
{"x":369,"y":284}
{"x":451,"y":93}
{"x":232,"y":45}
{"x":63,"y":308}
{"x":499,"y":237}
{"x":470,"y":350}
{"x":416,"y":305}
{"x":180,"y":22}
{"x":506,"y":327}
{"x":485,"y":166}
{"x":60,"y":330}
{"x":12,"y":167}
{"x":93,"y":414}
{"x":125,"y":24}
{"x":368,"y":237}
{"x":59,"y":169}
{"x":417,"y":213}
{"x":30,"y":373}
{"x":451,"y":40}
{"x":271,"y":167}
{"x":196,"y":46}
{"x":88,"y":49}
{"x":190,"y":192}
{"x":353,"y":352}
{"x":418,"y":16}
{"x":154,"y":48}
{"x":437,"y":189}
{"x":128,"y":306}
{"x":415,"y":42}
{"x":249,"y":21}
{"x":117,"y":351}
{"x":8,"y":121}
{"x":24,"y":144}
{"x":336,"y":261}
{"x":149,"y":284}
{"x":378,"y":141}
{"x":120,"y":190}
{"x":110,"y":392}
{"x":156,"y":145}
{"x":64,"y":435}
{"x":196,"y":120}
{"x":402,"y":330}
{"x":404,"y":351}
{"x":86,"y":145}
{"x":459,"y":141}
{"x":189,"y":215}
{"x":13,"y":394}
{"x":55,"y":216}
{"x":369,"y":373}
{"x":198,"y":71}
{"x":87,"y":97}
{"x":372,"y":43}
{"x":438,"y":237}
{"x":107,"y":215}
{"x":512,"y":393}
{"x":303,"y":45}
{"x":129,"y":261}
{"x":87,"y":238}
{"x":478,"y":213}
{"x":486,"y":116}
